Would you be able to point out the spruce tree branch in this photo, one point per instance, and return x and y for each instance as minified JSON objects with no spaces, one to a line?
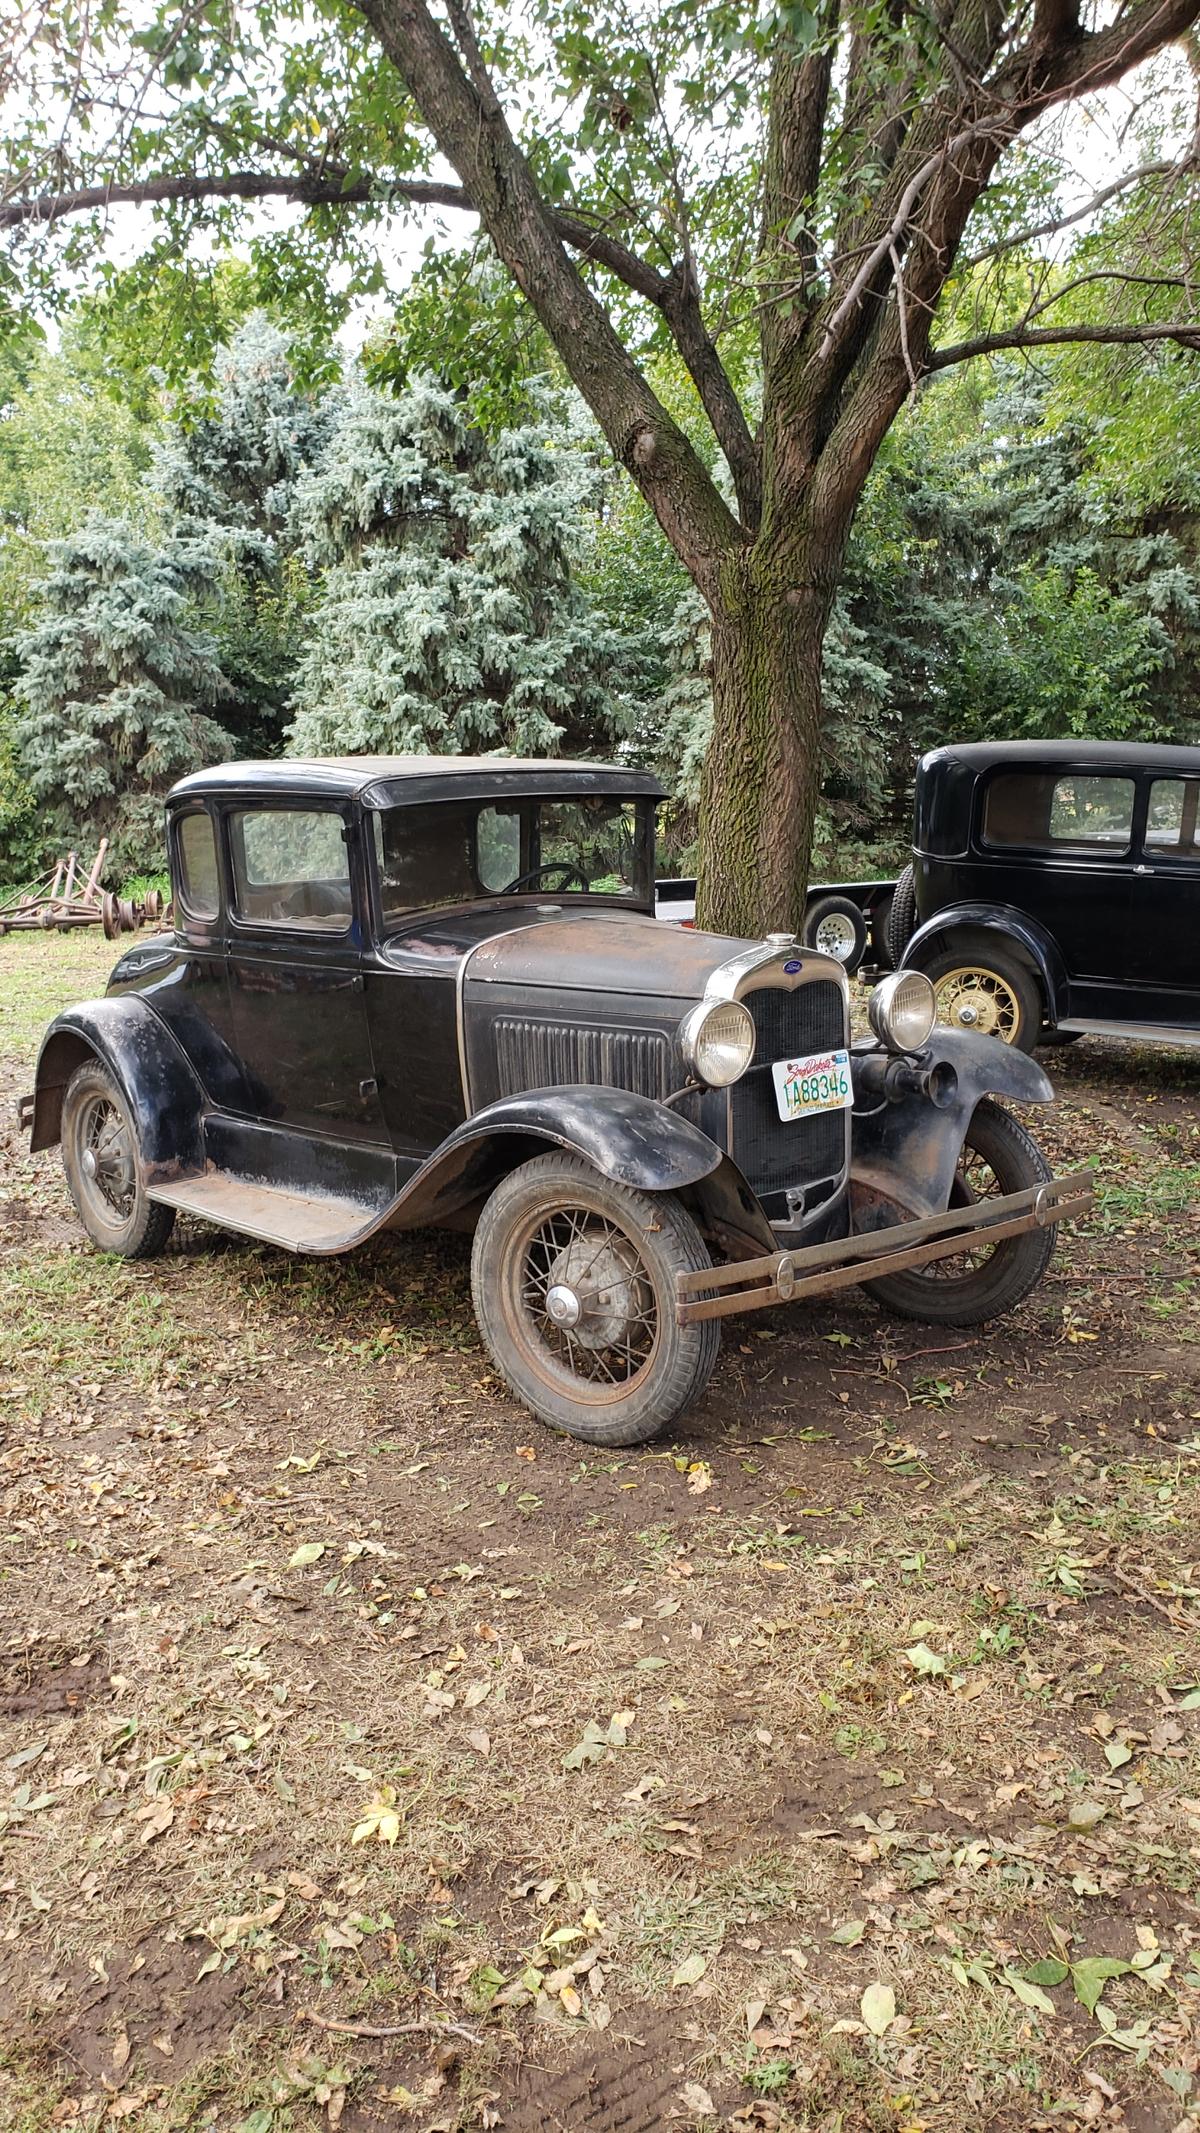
{"x":1185,"y":332}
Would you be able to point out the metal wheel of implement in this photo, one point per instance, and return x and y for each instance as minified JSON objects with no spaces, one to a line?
{"x":573,"y":1279}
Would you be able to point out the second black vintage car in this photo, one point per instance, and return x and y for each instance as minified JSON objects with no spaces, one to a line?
{"x":1055,"y":889}
{"x":409,"y":990}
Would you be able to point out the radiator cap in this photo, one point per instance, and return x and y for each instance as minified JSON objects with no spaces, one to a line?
{"x":781,"y":940}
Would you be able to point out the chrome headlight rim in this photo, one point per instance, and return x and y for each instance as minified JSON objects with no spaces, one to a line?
{"x":693,"y":1030}
{"x":888,"y":1004}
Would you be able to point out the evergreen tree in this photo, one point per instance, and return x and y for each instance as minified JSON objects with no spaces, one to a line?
{"x":226,"y":474}
{"x":449,"y":618}
{"x":117,"y":687}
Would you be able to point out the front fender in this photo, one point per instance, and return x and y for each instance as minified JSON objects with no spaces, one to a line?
{"x":165,"y":1099}
{"x":628,"y":1138}
{"x":1038,"y":945}
{"x":904,"y":1154}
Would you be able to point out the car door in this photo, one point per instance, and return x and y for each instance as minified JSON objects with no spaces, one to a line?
{"x":1163,"y":946}
{"x":295,"y":968}
{"x":1057,"y":843}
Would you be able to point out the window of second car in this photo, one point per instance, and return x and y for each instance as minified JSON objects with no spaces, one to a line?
{"x":1171,"y":818}
{"x":1092,"y":811}
{"x":197,"y":882}
{"x":291,"y":868}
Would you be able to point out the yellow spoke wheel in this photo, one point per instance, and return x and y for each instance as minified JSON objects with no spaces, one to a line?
{"x":974,"y":998}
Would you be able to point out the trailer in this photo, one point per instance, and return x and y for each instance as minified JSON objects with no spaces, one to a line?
{"x":847,"y":919}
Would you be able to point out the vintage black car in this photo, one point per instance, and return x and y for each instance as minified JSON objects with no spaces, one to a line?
{"x":407,"y":990}
{"x":1055,"y":889}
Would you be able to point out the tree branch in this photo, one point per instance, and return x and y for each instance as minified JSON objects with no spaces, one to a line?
{"x":674,"y":294}
{"x":471,"y":131}
{"x":1051,"y":227}
{"x":1186,"y":333}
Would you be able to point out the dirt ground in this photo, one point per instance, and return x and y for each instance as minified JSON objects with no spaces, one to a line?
{"x":370,"y":1755}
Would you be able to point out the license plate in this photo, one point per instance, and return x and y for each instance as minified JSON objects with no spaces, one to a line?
{"x":805,"y":1087}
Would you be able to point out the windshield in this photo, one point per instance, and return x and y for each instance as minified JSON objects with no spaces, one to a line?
{"x":459,"y":851}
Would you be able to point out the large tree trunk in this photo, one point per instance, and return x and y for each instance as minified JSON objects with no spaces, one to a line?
{"x":762,"y":775}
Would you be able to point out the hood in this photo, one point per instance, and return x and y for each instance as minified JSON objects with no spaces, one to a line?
{"x":628,"y":957}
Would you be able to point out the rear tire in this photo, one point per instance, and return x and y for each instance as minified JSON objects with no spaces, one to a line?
{"x":902,"y":918}
{"x":835,"y":926}
{"x":100,"y":1158}
{"x":998,"y":1156}
{"x":573,"y":1282}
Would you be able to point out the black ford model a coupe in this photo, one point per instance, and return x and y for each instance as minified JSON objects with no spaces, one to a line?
{"x":404,"y":990}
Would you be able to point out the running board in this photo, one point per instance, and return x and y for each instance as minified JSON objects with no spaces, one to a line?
{"x":1135,"y":1032}
{"x":322,"y":1222}
{"x":782,"y":1277}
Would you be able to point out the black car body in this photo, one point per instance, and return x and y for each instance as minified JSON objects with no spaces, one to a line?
{"x":1055,"y":889}
{"x":406,"y":990}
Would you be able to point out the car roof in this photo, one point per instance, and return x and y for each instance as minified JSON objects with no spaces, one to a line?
{"x":401,"y":780}
{"x":1100,"y":755}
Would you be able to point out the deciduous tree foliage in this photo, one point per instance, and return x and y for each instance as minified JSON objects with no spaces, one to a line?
{"x":831,"y":178}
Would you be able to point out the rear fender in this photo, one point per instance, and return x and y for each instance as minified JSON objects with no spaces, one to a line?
{"x":1030,"y":940}
{"x":629,"y":1139}
{"x":904,"y":1154}
{"x":164,"y":1098}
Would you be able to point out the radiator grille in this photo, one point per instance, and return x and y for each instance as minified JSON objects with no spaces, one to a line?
{"x":543,"y":1055}
{"x":772,"y":1153}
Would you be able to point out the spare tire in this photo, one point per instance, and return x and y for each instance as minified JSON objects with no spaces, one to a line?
{"x":902,"y":919}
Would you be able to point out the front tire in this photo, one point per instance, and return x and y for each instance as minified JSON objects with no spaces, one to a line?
{"x":989,"y":993}
{"x":573,"y":1282}
{"x":998,"y":1157}
{"x":100,"y":1158}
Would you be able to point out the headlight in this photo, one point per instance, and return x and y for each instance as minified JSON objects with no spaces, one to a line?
{"x":717,"y":1039}
{"x":902,"y":1010}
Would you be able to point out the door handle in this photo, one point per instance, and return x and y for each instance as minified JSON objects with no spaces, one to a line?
{"x":1143,"y":870}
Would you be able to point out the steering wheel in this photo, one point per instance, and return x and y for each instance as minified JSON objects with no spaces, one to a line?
{"x":534,"y":878}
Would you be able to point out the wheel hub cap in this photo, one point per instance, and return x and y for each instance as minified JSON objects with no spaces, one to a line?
{"x":563,"y":1305}
{"x":89,"y":1162}
{"x":592,"y":1292}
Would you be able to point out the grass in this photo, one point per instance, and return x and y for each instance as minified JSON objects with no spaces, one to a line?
{"x":279,"y":1561}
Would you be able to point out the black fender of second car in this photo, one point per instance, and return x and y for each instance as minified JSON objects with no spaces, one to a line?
{"x":906,"y":1146}
{"x":629,"y":1138}
{"x":1033,"y":943}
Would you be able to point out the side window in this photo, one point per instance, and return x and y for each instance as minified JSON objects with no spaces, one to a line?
{"x":1046,"y":813}
{"x":291,"y":868}
{"x":198,"y":884}
{"x":1091,"y":811}
{"x":497,"y":847}
{"x":1171,"y":817}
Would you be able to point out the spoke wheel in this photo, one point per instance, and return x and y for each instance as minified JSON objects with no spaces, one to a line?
{"x":100,"y":1158}
{"x":989,"y":994}
{"x":573,"y":1280}
{"x":979,"y":1000}
{"x":969,"y":1288}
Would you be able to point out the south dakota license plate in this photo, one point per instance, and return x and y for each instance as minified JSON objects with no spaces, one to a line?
{"x":804,"y":1087}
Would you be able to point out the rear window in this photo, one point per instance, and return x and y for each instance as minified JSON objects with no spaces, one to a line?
{"x":460,"y":851}
{"x":1054,"y":811}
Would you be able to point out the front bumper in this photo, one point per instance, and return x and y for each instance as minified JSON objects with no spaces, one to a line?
{"x":782,"y":1277}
